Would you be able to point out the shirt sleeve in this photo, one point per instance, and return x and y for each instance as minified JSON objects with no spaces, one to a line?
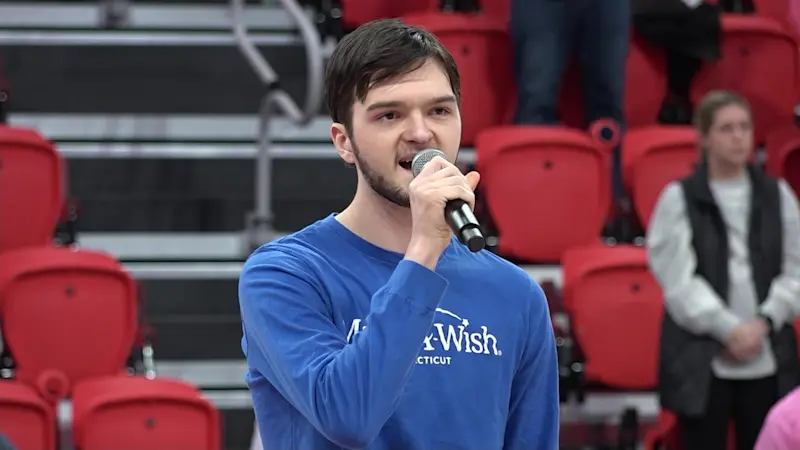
{"x":688,"y":298}
{"x":533,"y":421}
{"x":346,"y":390}
{"x":783,"y":301}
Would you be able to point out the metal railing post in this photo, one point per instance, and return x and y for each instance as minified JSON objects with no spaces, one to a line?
{"x":259,"y":226}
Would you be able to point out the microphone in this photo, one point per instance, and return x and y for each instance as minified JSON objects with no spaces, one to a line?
{"x":457,"y":213}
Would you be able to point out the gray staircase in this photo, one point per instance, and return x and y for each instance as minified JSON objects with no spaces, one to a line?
{"x":158,"y":121}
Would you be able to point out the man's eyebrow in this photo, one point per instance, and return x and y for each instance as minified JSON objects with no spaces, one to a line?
{"x":396,"y":104}
{"x":444,"y":99}
{"x":381,"y":105}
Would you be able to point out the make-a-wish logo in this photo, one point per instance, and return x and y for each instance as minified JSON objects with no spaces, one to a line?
{"x":450,"y":334}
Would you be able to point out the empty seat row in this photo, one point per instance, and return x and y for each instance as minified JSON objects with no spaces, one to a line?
{"x":760,"y":60}
{"x":541,"y":169}
{"x":548,"y":189}
{"x":121,"y":413}
{"x":615,"y":308}
{"x":69,"y":320}
{"x":359,"y":12}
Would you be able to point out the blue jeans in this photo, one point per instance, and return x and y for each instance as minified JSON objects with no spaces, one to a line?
{"x":5,"y":444}
{"x":547,"y":33}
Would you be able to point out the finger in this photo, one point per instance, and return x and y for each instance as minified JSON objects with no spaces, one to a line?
{"x":447,"y":183}
{"x":753,"y":349}
{"x":458,"y":192}
{"x":736,"y":356}
{"x":434,"y":165}
{"x":446,"y":171}
{"x":473,"y":178}
{"x":741,"y":354}
{"x":432,"y":185}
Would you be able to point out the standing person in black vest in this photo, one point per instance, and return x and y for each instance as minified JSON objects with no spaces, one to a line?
{"x":724,"y":243}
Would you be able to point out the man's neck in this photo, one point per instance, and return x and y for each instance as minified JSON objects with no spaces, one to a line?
{"x":377,"y":220}
{"x":719,"y":171}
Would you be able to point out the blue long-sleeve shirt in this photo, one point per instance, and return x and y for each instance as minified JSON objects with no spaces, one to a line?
{"x":350,"y":346}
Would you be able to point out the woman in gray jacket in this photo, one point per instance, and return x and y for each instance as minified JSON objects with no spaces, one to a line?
{"x":724,"y":244}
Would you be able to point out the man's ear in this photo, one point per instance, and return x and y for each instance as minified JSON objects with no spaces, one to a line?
{"x":341,"y":140}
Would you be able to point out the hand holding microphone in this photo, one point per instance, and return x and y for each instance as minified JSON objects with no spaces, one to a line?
{"x":441,"y":204}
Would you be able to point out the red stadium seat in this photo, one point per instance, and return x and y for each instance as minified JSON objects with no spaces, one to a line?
{"x":134,"y":413}
{"x":482,"y":51}
{"x":615,"y":308}
{"x":797,"y":329}
{"x":777,"y":10}
{"x":645,"y":87}
{"x":651,"y":158}
{"x":759,"y":61}
{"x":498,"y":9}
{"x":358,"y":12}
{"x":25,"y":419}
{"x":31,"y":191}
{"x":665,"y":434}
{"x":547,"y":188}
{"x":66,"y":315}
{"x":783,"y":155}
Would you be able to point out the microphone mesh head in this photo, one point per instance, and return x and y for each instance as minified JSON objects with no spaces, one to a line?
{"x":424,"y":157}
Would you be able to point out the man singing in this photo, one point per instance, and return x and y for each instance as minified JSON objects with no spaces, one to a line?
{"x":374,"y":327}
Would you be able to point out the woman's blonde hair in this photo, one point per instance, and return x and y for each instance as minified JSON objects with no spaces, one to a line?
{"x":706,"y":111}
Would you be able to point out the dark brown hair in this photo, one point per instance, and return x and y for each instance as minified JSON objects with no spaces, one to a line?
{"x":377,"y":52}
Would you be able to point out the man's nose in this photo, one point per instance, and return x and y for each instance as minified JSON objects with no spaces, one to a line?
{"x":418,"y":130}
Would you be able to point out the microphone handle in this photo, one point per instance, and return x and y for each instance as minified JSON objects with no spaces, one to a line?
{"x":464,"y":224}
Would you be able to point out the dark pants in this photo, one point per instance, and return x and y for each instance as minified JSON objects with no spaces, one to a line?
{"x":5,"y":444}
{"x":744,"y":403}
{"x":547,"y":33}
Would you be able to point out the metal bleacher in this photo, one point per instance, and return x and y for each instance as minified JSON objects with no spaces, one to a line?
{"x":157,"y":111}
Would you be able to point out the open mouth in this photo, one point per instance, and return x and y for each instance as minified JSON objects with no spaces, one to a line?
{"x":405,"y":164}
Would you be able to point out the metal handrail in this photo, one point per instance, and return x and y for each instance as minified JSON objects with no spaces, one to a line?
{"x":260,"y":223}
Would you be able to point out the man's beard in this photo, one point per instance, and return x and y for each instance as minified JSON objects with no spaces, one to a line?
{"x":378,"y":183}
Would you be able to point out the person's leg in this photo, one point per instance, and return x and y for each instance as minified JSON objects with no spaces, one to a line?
{"x":602,"y":48}
{"x":709,"y":431}
{"x":5,"y":443}
{"x":677,"y":106}
{"x":752,"y":400}
{"x":541,"y":37}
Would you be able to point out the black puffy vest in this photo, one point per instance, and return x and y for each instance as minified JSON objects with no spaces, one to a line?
{"x":685,"y":358}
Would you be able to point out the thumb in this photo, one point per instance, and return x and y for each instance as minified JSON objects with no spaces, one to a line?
{"x":472,"y":179}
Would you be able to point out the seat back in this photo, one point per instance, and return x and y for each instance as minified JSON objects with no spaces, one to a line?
{"x":651,"y":158}
{"x":783,"y":156}
{"x":780,"y":11}
{"x":547,"y":188}
{"x":31,"y":188}
{"x":25,"y":419}
{"x":499,"y":9}
{"x":760,"y":62}
{"x":615,"y":307}
{"x":66,"y":315}
{"x":797,"y":329}
{"x":481,"y":48}
{"x":795,"y":15}
{"x":133,"y":413}
{"x":358,"y":12}
{"x":645,"y":87}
